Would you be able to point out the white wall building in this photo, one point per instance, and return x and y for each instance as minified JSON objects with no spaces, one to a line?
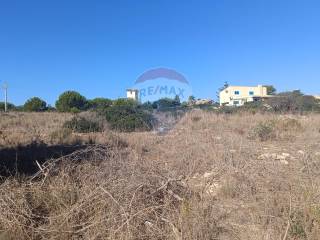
{"x":239,"y":95}
{"x":317,"y":97}
{"x":133,"y":94}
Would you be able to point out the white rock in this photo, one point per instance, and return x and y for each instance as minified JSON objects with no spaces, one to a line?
{"x":281,"y":157}
{"x":285,"y":162}
{"x":147,"y":223}
{"x":213,"y":189}
{"x":208,"y":174}
{"x":301,"y":152}
{"x":196,"y":176}
{"x":268,"y":156}
{"x":286,"y":155}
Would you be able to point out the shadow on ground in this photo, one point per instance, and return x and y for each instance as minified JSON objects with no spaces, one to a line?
{"x":22,"y":159}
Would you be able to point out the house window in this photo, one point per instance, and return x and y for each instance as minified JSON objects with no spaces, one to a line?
{"x":236,"y":92}
{"x":251,"y":93}
{"x":236,"y":102}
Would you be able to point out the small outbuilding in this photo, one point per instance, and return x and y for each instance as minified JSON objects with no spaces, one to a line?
{"x":133,"y":94}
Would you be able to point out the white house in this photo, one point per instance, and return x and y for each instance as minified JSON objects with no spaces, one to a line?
{"x":239,"y":95}
{"x":317,"y":97}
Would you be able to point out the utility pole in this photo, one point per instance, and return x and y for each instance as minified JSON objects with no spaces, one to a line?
{"x":5,"y":88}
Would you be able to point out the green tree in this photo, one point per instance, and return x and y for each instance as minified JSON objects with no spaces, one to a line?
{"x":83,"y":125}
{"x":147,"y":106}
{"x":271,"y":90}
{"x":166,"y":103}
{"x":177,"y":100}
{"x":10,"y":106}
{"x":99,"y":103}
{"x":191,"y":99}
{"x":225,"y":86}
{"x":35,"y":104}
{"x":125,"y":102}
{"x":294,"y":101}
{"x":71,"y":101}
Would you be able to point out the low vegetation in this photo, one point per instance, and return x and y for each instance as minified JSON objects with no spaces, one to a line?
{"x":276,"y":129}
{"x":264,"y":131}
{"x":230,"y":173}
{"x":208,"y":178}
{"x":294,"y":102}
{"x":83,"y":125}
{"x":126,"y":115}
{"x":74,"y":102}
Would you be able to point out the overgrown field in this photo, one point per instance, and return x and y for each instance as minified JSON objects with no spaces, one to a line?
{"x":213,"y":176}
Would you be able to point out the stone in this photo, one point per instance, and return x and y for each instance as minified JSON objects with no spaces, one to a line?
{"x":286,"y":155}
{"x":208,"y":174}
{"x":285,"y":162}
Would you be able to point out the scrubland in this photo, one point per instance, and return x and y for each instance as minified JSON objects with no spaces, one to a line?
{"x":213,"y":176}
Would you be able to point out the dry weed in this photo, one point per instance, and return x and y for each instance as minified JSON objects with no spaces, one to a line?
{"x":205,"y":179}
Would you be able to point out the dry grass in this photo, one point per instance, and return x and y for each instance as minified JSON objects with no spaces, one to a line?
{"x":208,"y":178}
{"x":23,"y":128}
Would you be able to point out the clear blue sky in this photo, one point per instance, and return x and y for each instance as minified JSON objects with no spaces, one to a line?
{"x":99,"y":48}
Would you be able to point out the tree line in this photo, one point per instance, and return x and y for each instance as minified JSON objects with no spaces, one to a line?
{"x":69,"y":101}
{"x":74,"y":102}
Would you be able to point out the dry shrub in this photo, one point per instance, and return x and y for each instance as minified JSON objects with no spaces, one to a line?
{"x":62,"y":135}
{"x":276,"y":129}
{"x":289,"y":124}
{"x":202,"y":180}
{"x":264,"y":131}
{"x":196,"y":118}
{"x":99,"y":198}
{"x":82,"y":125}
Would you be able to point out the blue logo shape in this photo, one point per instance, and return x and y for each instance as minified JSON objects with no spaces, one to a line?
{"x":162,"y":73}
{"x":160,"y":83}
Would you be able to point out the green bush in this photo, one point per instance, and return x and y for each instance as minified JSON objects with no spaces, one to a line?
{"x":71,"y":101}
{"x":35,"y":104}
{"x":128,"y":117}
{"x":297,"y":226}
{"x":83,"y":125}
{"x":50,"y":108}
{"x":228,"y":110}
